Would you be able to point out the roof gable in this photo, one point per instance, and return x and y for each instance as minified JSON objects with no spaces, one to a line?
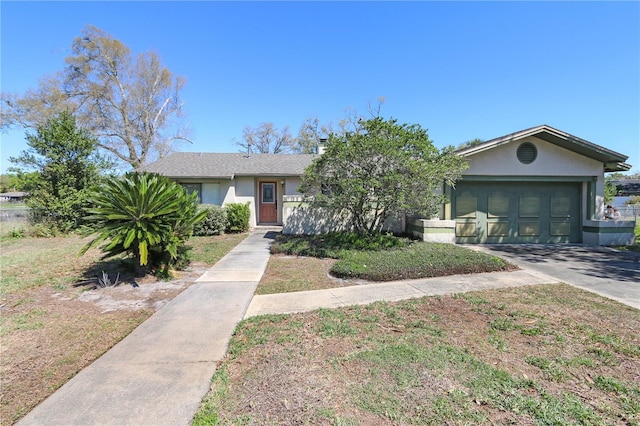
{"x":229,"y":165}
{"x":612,"y":161}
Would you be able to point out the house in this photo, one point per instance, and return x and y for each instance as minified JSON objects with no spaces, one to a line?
{"x":538,"y":185}
{"x":627,"y":187}
{"x":13,"y":197}
{"x":263,"y":180}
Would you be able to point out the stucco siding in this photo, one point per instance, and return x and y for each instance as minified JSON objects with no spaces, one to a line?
{"x":228,"y":192}
{"x":551,"y":160}
{"x":291,"y":186}
{"x":245,"y":191}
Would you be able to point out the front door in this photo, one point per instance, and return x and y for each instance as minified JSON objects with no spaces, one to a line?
{"x":268,"y":205}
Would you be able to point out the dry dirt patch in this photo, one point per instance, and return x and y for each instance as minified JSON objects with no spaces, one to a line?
{"x":48,"y":334}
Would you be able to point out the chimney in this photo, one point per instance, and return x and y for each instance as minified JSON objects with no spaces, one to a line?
{"x":321,"y":146}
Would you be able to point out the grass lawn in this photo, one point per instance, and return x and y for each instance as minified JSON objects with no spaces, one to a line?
{"x":49,"y":331}
{"x":549,"y":354}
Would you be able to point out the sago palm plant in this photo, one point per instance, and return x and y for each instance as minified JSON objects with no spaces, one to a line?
{"x":145,"y":215}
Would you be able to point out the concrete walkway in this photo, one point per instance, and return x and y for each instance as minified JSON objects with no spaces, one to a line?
{"x":160,"y":372}
{"x":304,"y":301}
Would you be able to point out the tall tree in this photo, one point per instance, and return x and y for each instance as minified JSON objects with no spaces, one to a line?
{"x":131,"y":103}
{"x":382,"y":169}
{"x":62,"y":166}
{"x":266,"y":139}
{"x":309,"y":136}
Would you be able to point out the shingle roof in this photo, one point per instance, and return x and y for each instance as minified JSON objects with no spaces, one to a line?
{"x":228,"y":165}
{"x":613,"y":161}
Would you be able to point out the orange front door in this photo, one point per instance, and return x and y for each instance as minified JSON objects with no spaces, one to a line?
{"x":268,"y":202}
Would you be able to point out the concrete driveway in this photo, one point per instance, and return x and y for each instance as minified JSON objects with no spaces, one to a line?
{"x":602,"y":270}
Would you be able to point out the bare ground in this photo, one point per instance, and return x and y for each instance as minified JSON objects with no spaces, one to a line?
{"x":48,"y":334}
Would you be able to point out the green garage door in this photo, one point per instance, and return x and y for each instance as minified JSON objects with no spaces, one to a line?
{"x":526,"y":212}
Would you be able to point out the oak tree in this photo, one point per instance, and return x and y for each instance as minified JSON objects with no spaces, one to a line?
{"x":130,"y":103}
{"x":266,"y":139}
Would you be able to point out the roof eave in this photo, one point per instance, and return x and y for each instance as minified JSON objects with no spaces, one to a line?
{"x":176,"y":177}
{"x":617,"y":167}
{"x":613,"y":160}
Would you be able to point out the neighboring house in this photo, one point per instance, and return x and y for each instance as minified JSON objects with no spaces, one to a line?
{"x":13,"y":197}
{"x":539,"y":185}
{"x":627,"y":187}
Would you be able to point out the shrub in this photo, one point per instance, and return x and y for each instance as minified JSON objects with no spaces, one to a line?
{"x":384,"y":257}
{"x":238,"y":215}
{"x":215,"y":223}
{"x":19,"y":232}
{"x":146,"y":216}
{"x":333,"y":243}
{"x":43,"y":230}
{"x":418,"y":260}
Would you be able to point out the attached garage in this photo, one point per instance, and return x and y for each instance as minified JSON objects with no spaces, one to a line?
{"x":539,"y":185}
{"x":522,"y":212}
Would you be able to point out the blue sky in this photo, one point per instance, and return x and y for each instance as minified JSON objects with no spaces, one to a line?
{"x":463,"y":70}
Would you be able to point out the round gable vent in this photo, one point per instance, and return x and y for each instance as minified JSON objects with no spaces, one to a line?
{"x":527,"y":153}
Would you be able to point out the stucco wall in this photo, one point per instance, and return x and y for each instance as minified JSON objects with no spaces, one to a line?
{"x":552,"y":160}
{"x":245,"y":191}
{"x":299,"y":218}
{"x":291,"y":186}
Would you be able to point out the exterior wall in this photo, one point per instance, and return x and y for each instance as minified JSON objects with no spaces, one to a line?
{"x":245,"y":191}
{"x":215,"y":192}
{"x":299,"y":218}
{"x":609,"y":232}
{"x":291,"y":185}
{"x":228,"y":192}
{"x":434,"y":231}
{"x":551,"y":161}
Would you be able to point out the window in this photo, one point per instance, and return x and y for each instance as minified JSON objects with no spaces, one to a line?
{"x":268,"y":193}
{"x":194,"y":187}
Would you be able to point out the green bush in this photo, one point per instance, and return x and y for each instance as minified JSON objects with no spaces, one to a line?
{"x":238,"y":215}
{"x":333,"y":243}
{"x":419,"y":260}
{"x":19,"y":232}
{"x":215,"y":223}
{"x":44,"y":230}
{"x":146,"y":216}
{"x":386,"y":257}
